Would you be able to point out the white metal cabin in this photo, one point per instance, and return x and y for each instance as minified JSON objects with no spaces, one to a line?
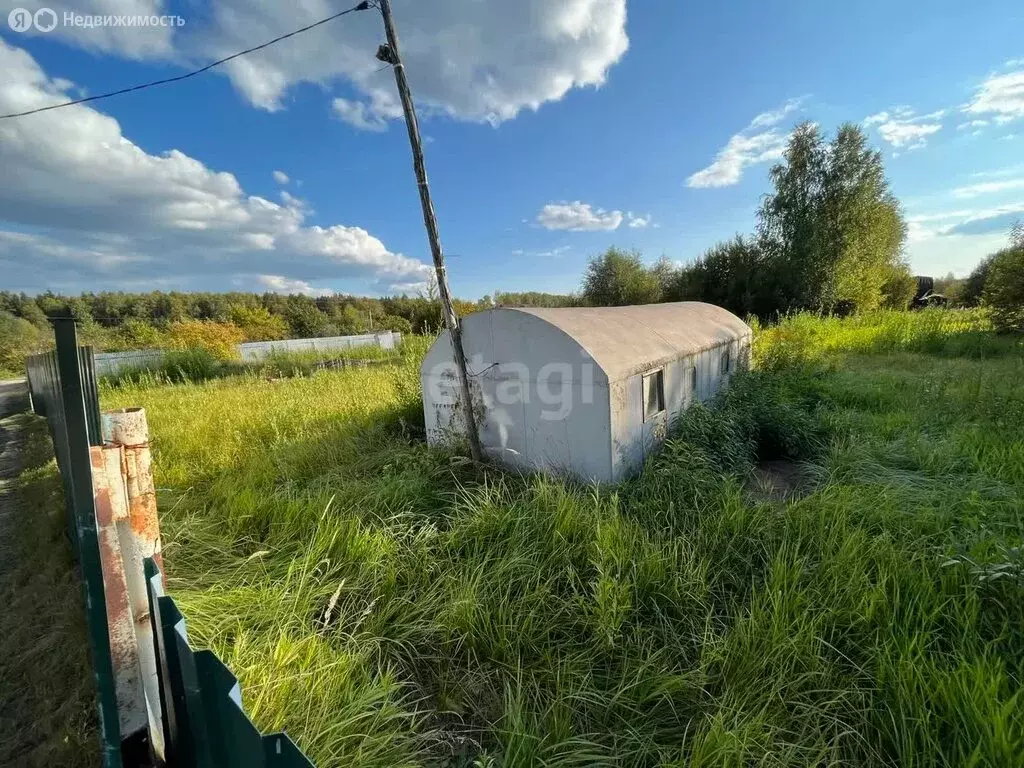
{"x":589,"y":391}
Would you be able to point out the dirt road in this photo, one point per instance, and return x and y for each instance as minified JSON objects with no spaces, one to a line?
{"x":13,"y":397}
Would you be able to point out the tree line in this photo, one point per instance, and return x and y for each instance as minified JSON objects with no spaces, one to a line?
{"x":829,"y":239}
{"x":115,"y":320}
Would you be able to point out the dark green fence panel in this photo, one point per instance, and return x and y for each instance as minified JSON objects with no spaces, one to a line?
{"x":165,"y":618}
{"x":205,"y":725}
{"x":63,"y":388}
{"x":87,"y":364}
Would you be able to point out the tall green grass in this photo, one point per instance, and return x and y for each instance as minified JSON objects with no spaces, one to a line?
{"x":807,"y":338}
{"x":392,"y":605}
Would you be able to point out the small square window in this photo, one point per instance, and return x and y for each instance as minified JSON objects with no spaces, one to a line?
{"x":654,"y":394}
{"x":726,"y":362}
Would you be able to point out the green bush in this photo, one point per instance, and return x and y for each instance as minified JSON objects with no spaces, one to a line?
{"x":138,"y":334}
{"x":190,"y":365}
{"x":618,"y":278}
{"x":18,"y":339}
{"x":1004,"y":289}
{"x":258,"y":324}
{"x":899,"y":287}
{"x":396,"y":323}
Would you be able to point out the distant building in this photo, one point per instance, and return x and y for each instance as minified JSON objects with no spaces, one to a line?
{"x":588,"y":391}
{"x":925,"y":295}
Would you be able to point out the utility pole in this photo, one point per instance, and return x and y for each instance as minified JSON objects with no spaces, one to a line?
{"x":389,"y":54}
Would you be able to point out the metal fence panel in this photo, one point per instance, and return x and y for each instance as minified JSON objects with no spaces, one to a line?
{"x":61,"y":389}
{"x":109,"y":363}
{"x":205,"y":724}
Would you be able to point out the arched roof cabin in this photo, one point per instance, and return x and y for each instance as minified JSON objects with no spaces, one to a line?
{"x":589,"y":391}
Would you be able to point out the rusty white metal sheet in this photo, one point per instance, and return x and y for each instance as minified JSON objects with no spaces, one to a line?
{"x":127,"y":431}
{"x":124,"y":655}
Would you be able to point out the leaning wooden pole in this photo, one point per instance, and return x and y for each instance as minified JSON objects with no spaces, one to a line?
{"x":391,"y":55}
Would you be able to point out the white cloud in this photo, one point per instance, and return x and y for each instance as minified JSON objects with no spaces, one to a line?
{"x":759,"y":142}
{"x":297,"y":203}
{"x":281,"y":177}
{"x":360,"y":115}
{"x":1010,"y":170}
{"x":1001,"y":97}
{"x":776,"y":116}
{"x":993,"y":220}
{"x":903,"y":129}
{"x":956,"y":253}
{"x":138,"y":42}
{"x":481,"y":61}
{"x":972,"y":124}
{"x":84,"y":206}
{"x":578,"y":217}
{"x":740,"y":152}
{"x":881,"y":117}
{"x":987,"y":188}
{"x":997,"y":220}
{"x":638,"y":222}
{"x":955,"y":240}
{"x":414,"y":288}
{"x":281,"y":284}
{"x":553,"y":253}
{"x":927,"y":226}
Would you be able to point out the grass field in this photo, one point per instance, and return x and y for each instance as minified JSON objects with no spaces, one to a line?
{"x":390,"y":605}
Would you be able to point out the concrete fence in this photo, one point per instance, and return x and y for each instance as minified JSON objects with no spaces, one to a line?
{"x":258,"y":350}
{"x":109,"y":363}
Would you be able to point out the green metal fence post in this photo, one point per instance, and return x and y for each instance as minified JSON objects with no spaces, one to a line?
{"x":79,"y":469}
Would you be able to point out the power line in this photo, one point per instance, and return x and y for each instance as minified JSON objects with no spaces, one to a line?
{"x":142,"y":86}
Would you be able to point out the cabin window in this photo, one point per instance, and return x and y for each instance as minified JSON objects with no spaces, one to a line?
{"x":693,"y":379}
{"x":726,"y":362}
{"x":654,"y":393}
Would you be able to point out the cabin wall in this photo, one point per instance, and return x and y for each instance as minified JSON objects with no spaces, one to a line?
{"x":635,"y":439}
{"x":540,"y":401}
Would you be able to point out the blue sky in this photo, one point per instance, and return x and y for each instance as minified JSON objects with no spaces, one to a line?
{"x":555,"y":128}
